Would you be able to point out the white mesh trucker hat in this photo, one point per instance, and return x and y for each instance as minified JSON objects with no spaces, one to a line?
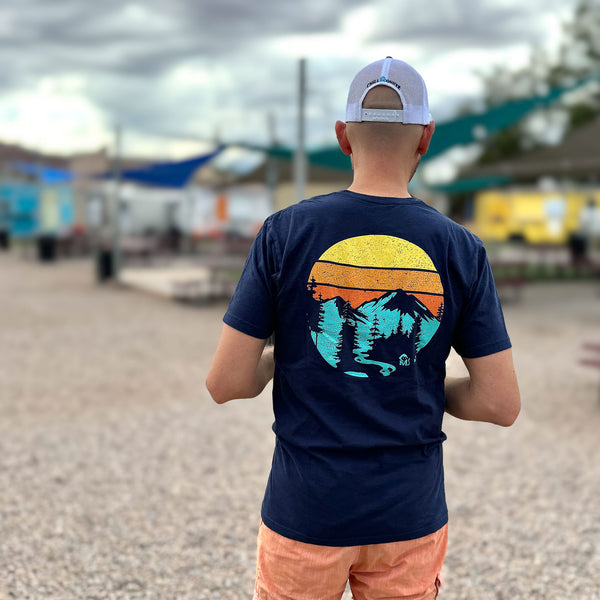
{"x":403,"y":79}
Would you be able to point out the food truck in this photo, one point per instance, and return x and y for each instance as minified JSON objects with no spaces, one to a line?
{"x":536,"y":217}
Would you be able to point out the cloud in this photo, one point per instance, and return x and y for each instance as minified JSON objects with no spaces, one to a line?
{"x":69,"y":120}
{"x":462,"y":23}
{"x":196,"y":68}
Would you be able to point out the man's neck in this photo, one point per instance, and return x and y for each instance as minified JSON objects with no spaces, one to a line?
{"x":377,"y":176}
{"x":379,"y":188}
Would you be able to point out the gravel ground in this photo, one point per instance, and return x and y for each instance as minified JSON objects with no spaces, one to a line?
{"x":120,"y":479}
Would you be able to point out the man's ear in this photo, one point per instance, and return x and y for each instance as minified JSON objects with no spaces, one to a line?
{"x":426,"y":138}
{"x":342,"y":138}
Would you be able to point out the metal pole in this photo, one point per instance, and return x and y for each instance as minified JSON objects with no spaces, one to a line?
{"x":300,"y":154}
{"x":116,"y":206}
{"x":272,"y":170}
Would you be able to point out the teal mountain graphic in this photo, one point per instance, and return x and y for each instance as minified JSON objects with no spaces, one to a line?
{"x":381,"y":337}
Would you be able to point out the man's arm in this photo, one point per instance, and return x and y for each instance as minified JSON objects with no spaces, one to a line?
{"x":241,"y":367}
{"x":490,"y":393}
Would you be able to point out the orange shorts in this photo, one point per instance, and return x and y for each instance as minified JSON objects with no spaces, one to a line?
{"x":291,"y":570}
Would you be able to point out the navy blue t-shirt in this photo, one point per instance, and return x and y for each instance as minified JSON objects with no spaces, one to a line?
{"x":365,"y":296}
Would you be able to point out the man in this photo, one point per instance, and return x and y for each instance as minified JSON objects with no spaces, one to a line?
{"x":366,"y":291}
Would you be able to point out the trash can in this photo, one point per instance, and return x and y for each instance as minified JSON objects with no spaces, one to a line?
{"x":4,"y":240}
{"x":46,"y":248}
{"x":578,"y":246}
{"x":104,"y":265}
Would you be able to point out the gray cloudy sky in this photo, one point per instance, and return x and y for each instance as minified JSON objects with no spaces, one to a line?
{"x":168,"y":70}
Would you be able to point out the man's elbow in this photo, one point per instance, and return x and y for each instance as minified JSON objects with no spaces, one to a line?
{"x":218,"y":392}
{"x":224,"y":389}
{"x":508,"y":412}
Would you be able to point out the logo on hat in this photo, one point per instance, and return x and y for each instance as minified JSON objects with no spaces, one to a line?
{"x":383,"y":79}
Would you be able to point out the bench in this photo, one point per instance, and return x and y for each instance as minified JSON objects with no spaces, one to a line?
{"x":592,"y":356}
{"x":213,"y":278}
{"x":202,"y":289}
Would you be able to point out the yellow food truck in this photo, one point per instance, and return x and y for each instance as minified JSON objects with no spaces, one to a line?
{"x":537,"y":217}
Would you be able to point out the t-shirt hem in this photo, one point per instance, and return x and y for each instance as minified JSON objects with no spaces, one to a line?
{"x":245,"y":327}
{"x":485,"y":349}
{"x":401,"y":536}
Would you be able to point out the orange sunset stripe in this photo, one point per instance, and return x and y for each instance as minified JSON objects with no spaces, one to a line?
{"x":354,"y":297}
{"x":358,"y":297}
{"x":371,"y":278}
{"x":433,"y":303}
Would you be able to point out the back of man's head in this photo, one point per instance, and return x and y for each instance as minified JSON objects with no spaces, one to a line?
{"x":387,"y":108}
{"x":387,"y":137}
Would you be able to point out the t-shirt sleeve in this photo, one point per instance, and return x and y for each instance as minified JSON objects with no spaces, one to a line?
{"x":251,"y":309}
{"x":481,"y":328}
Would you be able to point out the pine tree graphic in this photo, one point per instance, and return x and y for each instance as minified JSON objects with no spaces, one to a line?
{"x":346,"y":312}
{"x":419,"y":330}
{"x":321,"y":321}
{"x":374,"y":330}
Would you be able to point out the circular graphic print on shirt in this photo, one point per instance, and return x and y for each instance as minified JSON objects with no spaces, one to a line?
{"x":377,"y":301}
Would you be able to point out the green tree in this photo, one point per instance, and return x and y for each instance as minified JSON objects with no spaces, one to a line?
{"x":578,"y":57}
{"x":579,"y":54}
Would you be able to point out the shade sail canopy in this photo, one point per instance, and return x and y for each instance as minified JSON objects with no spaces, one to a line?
{"x":471,"y":184}
{"x":461,"y":131}
{"x":166,"y":174}
{"x":471,"y":128}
